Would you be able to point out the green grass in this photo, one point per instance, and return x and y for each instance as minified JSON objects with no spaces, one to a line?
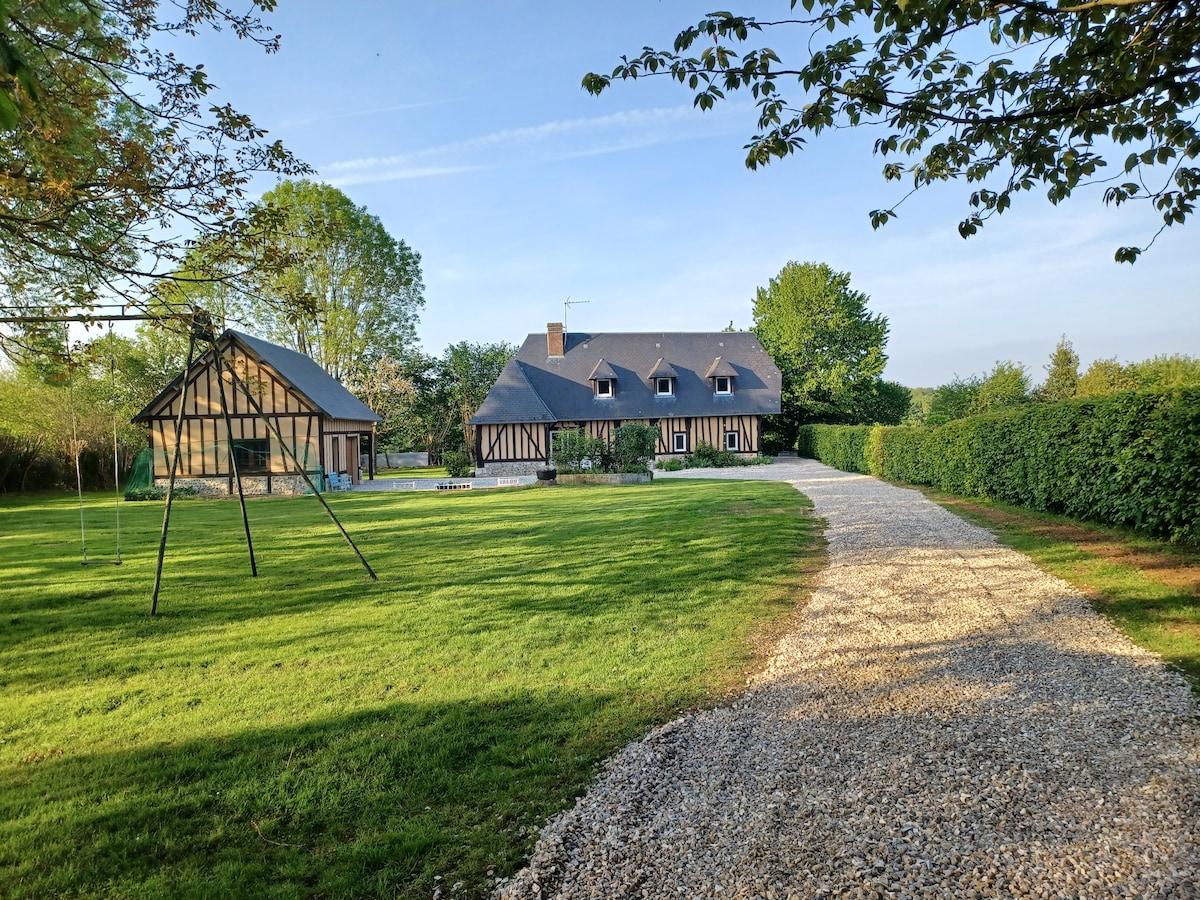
{"x":313,"y":733}
{"x":1146,"y":588}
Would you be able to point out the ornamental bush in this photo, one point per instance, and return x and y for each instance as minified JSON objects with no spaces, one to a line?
{"x":1129,"y":459}
{"x":630,"y":450}
{"x":632,"y":447}
{"x":457,"y":463}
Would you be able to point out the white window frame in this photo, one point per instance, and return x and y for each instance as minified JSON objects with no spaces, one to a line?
{"x":607,"y":382}
{"x":733,"y":441}
{"x":669,"y":392}
{"x":717,"y":384}
{"x":679,"y":438}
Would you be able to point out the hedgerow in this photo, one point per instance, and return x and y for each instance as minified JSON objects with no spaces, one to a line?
{"x":1131,"y":460}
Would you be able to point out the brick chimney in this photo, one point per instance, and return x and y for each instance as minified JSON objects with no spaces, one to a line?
{"x":555,"y":341}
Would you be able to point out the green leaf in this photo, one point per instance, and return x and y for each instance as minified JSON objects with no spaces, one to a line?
{"x":9,"y":114}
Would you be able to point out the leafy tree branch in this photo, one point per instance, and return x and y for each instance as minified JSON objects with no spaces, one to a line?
{"x":1065,"y":86}
{"x":115,"y":163}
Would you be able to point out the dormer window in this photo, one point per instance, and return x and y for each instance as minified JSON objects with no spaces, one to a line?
{"x":604,"y":381}
{"x":662,"y":378}
{"x":721,"y":374}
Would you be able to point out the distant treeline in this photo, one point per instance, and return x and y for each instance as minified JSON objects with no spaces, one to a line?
{"x":1009,"y":384}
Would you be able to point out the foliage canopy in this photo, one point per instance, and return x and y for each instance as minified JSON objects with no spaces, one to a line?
{"x":1062,"y":373}
{"x":349,"y":293}
{"x":827,"y":344}
{"x":1010,"y":97}
{"x":113,"y":159}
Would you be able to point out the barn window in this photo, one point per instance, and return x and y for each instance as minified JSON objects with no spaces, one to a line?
{"x":252,"y":454}
{"x":680,"y":442}
{"x":604,"y":387}
{"x":732,"y":441}
{"x":722,"y":384}
{"x":664,"y":387}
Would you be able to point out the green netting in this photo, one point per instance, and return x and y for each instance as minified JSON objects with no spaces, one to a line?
{"x":141,"y":476}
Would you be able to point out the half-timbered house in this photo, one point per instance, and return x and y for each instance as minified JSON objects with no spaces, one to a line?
{"x":695,"y":388}
{"x":298,"y":404}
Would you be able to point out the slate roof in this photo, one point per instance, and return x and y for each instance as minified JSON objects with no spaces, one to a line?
{"x":662,"y":369}
{"x":720,"y":366}
{"x":307,"y":378}
{"x":602,"y":370}
{"x":535,"y":387}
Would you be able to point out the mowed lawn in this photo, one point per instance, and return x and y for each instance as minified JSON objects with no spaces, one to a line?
{"x":313,"y":733}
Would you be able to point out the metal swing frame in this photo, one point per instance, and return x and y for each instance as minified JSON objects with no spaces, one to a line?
{"x":201,"y":334}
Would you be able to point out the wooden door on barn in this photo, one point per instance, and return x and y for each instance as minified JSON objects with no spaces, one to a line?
{"x":352,"y":458}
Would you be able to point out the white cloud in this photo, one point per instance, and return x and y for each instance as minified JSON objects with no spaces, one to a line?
{"x":396,"y":172}
{"x":547,"y":142}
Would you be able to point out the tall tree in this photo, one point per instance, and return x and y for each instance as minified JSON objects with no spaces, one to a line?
{"x":1160,"y":373}
{"x":953,"y":400}
{"x":1006,"y":385}
{"x":1060,"y":85}
{"x":350,"y":294}
{"x":920,"y":405}
{"x":445,"y":392}
{"x":114,"y":158}
{"x":388,"y":388}
{"x":468,"y":372}
{"x":1062,"y":373}
{"x":826,"y":343}
{"x":882,"y":402}
{"x":1105,"y":376}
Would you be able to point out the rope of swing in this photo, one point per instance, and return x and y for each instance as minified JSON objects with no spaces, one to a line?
{"x":76,"y":445}
{"x":112,"y":385}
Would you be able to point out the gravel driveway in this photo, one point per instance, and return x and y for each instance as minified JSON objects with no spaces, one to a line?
{"x":946,"y":720}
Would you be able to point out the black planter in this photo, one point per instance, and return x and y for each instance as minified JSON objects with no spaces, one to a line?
{"x":547,"y":474}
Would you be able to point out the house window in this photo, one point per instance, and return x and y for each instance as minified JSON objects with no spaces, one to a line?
{"x":252,"y":454}
{"x":722,"y":385}
{"x":679,"y":444}
{"x":604,"y":387}
{"x":663,"y":387}
{"x":732,"y":441}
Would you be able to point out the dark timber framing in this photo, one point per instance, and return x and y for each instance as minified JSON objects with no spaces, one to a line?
{"x":290,"y":402}
{"x":550,"y":386}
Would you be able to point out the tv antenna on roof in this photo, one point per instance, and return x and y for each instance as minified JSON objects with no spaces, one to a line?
{"x":568,"y":303}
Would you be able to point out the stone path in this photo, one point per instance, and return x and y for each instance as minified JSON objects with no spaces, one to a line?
{"x":946,"y":720}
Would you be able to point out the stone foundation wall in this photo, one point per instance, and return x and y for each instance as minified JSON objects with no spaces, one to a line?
{"x":608,"y":478}
{"x":252,"y":485}
{"x":508,"y":469}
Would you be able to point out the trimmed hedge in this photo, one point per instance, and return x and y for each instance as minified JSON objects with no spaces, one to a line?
{"x":841,"y":446}
{"x":1131,"y":460}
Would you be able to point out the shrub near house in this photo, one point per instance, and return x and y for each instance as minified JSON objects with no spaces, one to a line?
{"x":629,"y":450}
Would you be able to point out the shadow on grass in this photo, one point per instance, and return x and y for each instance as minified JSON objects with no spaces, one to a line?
{"x":373,"y":804}
{"x":412,"y":733}
{"x":521,"y":554}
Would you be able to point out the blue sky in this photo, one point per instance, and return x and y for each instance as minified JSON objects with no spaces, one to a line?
{"x":463,"y":127}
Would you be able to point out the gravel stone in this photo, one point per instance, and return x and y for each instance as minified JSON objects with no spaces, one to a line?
{"x":945,"y":720}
